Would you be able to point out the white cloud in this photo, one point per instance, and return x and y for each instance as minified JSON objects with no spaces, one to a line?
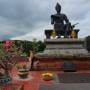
{"x":38,"y":33}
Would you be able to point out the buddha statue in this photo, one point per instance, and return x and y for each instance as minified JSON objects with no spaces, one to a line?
{"x":61,"y":22}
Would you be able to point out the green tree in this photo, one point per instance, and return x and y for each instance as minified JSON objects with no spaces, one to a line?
{"x":41,"y":46}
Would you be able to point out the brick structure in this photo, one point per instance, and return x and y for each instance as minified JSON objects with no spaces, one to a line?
{"x":60,"y":51}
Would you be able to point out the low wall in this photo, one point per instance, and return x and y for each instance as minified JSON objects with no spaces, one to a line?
{"x":56,"y":64}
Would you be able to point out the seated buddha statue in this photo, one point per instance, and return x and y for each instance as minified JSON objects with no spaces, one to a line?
{"x":60,"y":21}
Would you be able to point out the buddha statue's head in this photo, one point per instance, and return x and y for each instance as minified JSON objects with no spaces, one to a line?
{"x":58,"y":8}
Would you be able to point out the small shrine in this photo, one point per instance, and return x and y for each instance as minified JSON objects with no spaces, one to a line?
{"x":64,"y":50}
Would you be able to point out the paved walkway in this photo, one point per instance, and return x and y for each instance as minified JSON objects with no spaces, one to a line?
{"x":64,"y":86}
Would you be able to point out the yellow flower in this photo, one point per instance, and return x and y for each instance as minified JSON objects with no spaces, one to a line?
{"x":47,"y":74}
{"x":53,"y":34}
{"x":73,"y":34}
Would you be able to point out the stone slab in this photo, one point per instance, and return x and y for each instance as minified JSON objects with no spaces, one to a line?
{"x":63,"y":86}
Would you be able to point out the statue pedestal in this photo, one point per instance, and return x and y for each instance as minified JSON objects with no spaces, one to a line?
{"x":48,"y":33}
{"x":60,"y":33}
{"x":59,"y":51}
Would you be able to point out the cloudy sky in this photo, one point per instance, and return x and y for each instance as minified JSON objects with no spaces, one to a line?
{"x":27,"y":19}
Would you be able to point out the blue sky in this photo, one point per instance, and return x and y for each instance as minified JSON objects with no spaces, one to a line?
{"x":27,"y":19}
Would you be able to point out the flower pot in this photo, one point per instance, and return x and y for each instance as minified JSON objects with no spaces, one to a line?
{"x":23,"y":74}
{"x":47,"y":76}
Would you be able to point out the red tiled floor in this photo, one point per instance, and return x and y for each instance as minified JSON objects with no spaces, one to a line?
{"x":34,"y":83}
{"x":36,"y":80}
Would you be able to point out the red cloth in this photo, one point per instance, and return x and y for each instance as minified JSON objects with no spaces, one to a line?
{"x":7,"y":43}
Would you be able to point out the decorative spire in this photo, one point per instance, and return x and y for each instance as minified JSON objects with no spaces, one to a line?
{"x":58,"y":7}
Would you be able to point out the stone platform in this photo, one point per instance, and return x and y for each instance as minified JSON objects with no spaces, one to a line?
{"x":64,"y":86}
{"x":65,"y":47}
{"x":60,"y":51}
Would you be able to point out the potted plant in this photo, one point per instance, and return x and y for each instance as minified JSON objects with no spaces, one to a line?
{"x":23,"y":70}
{"x":47,"y":76}
{"x":8,"y":55}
